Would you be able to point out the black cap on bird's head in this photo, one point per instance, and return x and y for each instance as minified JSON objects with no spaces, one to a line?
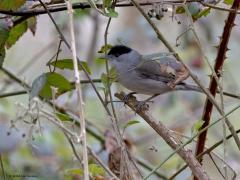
{"x":118,"y":50}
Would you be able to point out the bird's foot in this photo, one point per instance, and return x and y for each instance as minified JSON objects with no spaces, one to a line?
{"x":128,"y":97}
{"x":141,"y":106}
{"x":171,"y":84}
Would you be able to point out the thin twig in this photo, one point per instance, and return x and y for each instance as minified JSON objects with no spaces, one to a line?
{"x":73,"y":148}
{"x":102,"y":164}
{"x":81,"y":114}
{"x":2,"y":167}
{"x":125,"y":164}
{"x":15,"y":93}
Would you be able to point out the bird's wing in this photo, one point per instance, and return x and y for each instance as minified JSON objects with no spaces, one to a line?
{"x":163,"y":69}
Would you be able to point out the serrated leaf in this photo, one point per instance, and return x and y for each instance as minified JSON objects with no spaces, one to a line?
{"x":32,"y":24}
{"x":104,"y":49}
{"x":11,"y":4}
{"x":42,"y":85}
{"x":228,"y":2}
{"x":96,"y":170}
{"x":74,"y":172}
{"x":15,"y":33}
{"x":112,"y":13}
{"x":63,"y":117}
{"x":68,"y":64}
{"x":130,"y":123}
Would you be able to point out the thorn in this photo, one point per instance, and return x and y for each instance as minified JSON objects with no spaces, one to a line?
{"x":233,"y":24}
{"x":227,"y":49}
{"x":220,"y":37}
{"x":217,"y":46}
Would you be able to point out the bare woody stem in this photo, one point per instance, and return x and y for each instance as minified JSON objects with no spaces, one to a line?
{"x":221,"y":56}
{"x":81,"y":114}
{"x":169,"y":138}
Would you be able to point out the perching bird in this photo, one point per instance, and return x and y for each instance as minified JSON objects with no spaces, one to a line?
{"x":147,"y":76}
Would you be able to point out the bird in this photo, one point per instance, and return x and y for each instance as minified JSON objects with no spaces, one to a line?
{"x":143,"y":75}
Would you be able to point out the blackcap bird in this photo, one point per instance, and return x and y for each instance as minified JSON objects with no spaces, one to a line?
{"x":144,"y":75}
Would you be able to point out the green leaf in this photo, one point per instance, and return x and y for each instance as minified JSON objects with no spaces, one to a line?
{"x":107,"y":80}
{"x":42,"y":85}
{"x":130,"y":123}
{"x":107,"y":3}
{"x":180,"y":10}
{"x":15,"y":33}
{"x":104,"y":49}
{"x":68,"y":64}
{"x":197,"y":125}
{"x":63,"y":117}
{"x":74,"y":172}
{"x":228,"y":2}
{"x":58,"y":81}
{"x":112,"y":13}
{"x":204,"y":12}
{"x":104,"y":80}
{"x":96,"y":170}
{"x":11,"y":4}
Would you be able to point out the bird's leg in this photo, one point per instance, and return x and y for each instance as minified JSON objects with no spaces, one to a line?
{"x":142,"y":105}
{"x":127,"y":97}
{"x":181,"y":75}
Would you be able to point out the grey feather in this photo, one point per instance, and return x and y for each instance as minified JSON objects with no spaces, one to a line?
{"x":143,"y":75}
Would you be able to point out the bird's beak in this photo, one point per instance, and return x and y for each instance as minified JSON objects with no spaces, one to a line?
{"x":106,"y":57}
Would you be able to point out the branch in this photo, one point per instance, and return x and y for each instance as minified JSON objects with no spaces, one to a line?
{"x":208,"y":150}
{"x":80,"y":102}
{"x":63,"y":7}
{"x":213,"y":84}
{"x":169,"y":138}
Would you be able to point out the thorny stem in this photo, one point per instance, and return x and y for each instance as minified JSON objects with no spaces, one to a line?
{"x":81,"y":114}
{"x":213,"y":84}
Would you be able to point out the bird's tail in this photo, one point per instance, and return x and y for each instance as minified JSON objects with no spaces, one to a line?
{"x":189,"y":87}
